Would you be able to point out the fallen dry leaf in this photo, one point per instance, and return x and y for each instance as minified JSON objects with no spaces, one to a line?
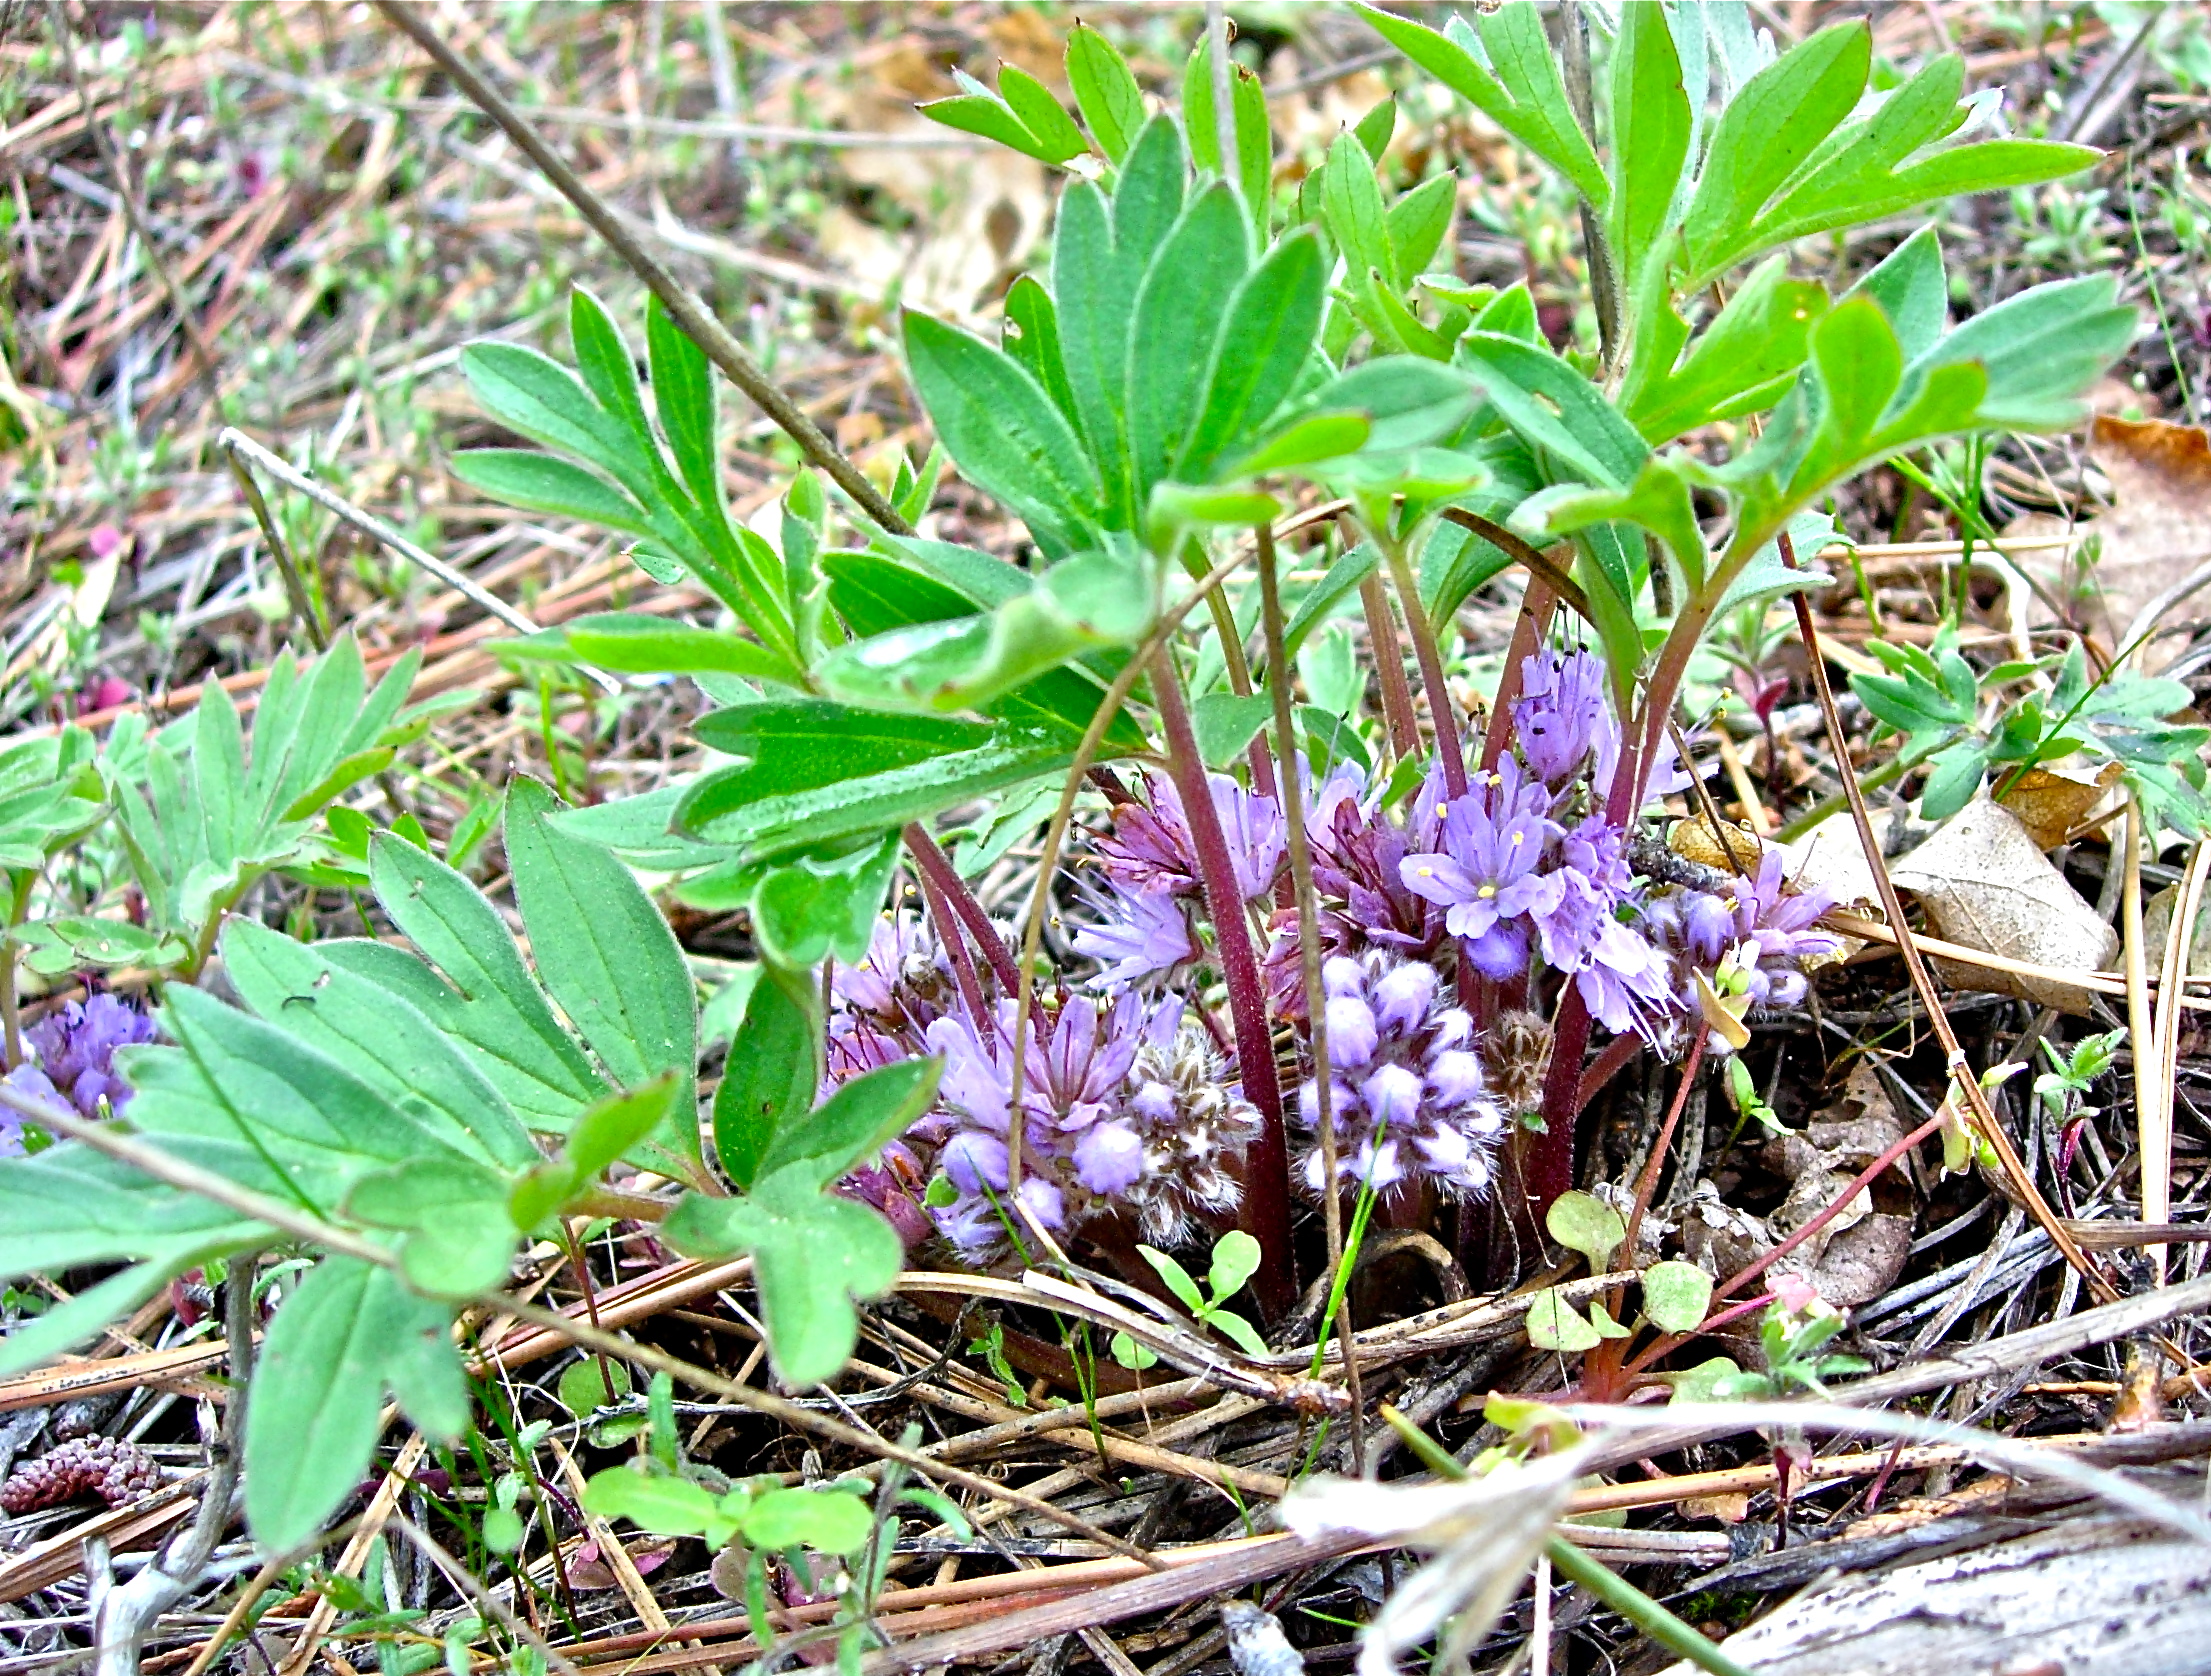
{"x":1986,"y":884}
{"x":2157,"y":531}
{"x":2052,"y":802}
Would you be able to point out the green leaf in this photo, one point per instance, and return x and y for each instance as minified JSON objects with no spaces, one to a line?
{"x":986,"y":115}
{"x":1106,"y":90}
{"x":1418,"y":224}
{"x":1179,"y":312}
{"x":1740,"y":362}
{"x":1676,"y":1295}
{"x":1953,"y":776}
{"x":968,"y":663}
{"x":607,"y":956}
{"x":665,"y":1504}
{"x":1266,"y":341}
{"x":1519,"y":89}
{"x":818,"y":773}
{"x":829,"y":1521}
{"x":382,"y":1039}
{"x":633,"y":643}
{"x":535,"y":395}
{"x":1713,"y":1380}
{"x":1004,"y":433}
{"x":1585,"y":1223}
{"x":1057,"y":137}
{"x":856,"y":1121}
{"x":1236,"y":1258}
{"x":1176,"y":1276}
{"x":812,"y":908}
{"x":875,"y":594}
{"x":486,"y":1000}
{"x":1554,"y":1324}
{"x":813,"y":1253}
{"x":349,"y":1332}
{"x":67,"y":1207}
{"x":773,"y":1070}
{"x":583,"y":1389}
{"x":1774,"y":122}
{"x":1227,"y":722}
{"x":542,"y":483}
{"x":619,"y":1123}
{"x":1651,"y":123}
{"x":2041,"y":349}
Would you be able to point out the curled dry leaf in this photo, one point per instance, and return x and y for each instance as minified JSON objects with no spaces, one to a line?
{"x":2053,"y":802}
{"x":2157,"y":532}
{"x":1985,"y":883}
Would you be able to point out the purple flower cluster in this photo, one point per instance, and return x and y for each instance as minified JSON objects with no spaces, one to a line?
{"x":1128,"y":1103}
{"x":1406,"y":1095}
{"x":75,"y":1060}
{"x":1515,"y":870}
{"x":1122,"y":1105}
{"x":1751,"y":937}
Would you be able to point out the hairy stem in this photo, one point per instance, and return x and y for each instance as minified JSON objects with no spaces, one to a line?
{"x":1389,"y":664}
{"x":1266,"y":1212}
{"x":936,"y":870}
{"x":1441,"y":711}
{"x":1308,"y":942}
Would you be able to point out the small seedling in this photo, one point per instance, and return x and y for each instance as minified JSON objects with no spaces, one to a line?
{"x":1235,"y":1261}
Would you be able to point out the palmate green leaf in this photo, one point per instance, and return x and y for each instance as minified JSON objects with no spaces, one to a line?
{"x":1041,"y":114}
{"x":1004,"y":434}
{"x":535,"y":395}
{"x":604,"y":952}
{"x":813,"y":1253}
{"x":875,"y":594}
{"x":348,"y":1334}
{"x":1659,"y":501}
{"x":1518,"y":87}
{"x":818,"y":773}
{"x":475,"y":987}
{"x":774,"y":1068}
{"x":1418,"y":223}
{"x":1022,"y":115}
{"x":380,"y":1037}
{"x":1106,"y":91}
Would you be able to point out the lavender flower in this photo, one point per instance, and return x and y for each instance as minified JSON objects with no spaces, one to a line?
{"x":1563,"y":713}
{"x":1140,"y":935}
{"x":1406,"y":1093}
{"x":1124,"y":1106}
{"x":1753,"y":937}
{"x":75,"y":1047}
{"x":1485,"y":878}
{"x":1151,"y":850}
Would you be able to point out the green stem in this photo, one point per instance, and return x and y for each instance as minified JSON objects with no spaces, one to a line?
{"x":1638,"y":1608}
{"x":1442,"y":713}
{"x":1871,"y":780}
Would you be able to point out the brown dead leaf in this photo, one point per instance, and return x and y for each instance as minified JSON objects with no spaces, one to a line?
{"x":1986,"y":884}
{"x":1731,"y":849}
{"x":2051,"y":802}
{"x":2157,"y":531}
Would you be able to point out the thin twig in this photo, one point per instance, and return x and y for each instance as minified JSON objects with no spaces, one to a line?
{"x":684,"y":307}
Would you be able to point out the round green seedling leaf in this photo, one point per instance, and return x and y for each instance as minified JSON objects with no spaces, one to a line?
{"x":583,"y":1385}
{"x":1676,"y":1295}
{"x":827,"y":1521}
{"x":1585,"y":1223}
{"x":1554,"y":1324}
{"x":1235,"y":1260}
